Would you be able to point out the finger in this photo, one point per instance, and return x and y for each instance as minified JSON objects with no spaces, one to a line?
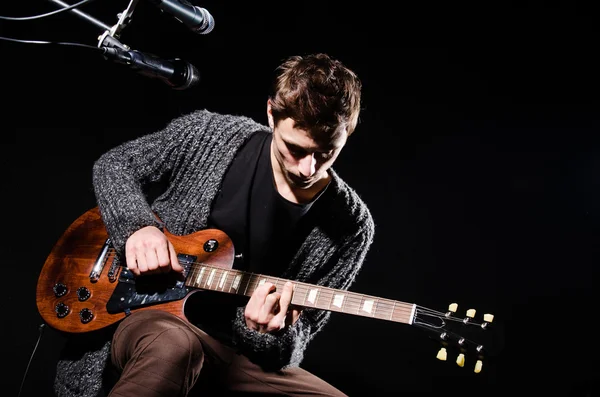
{"x":255,"y":304}
{"x":131,"y":260}
{"x":279,"y":319}
{"x":140,"y":260}
{"x":293,"y":315}
{"x":151,"y":261}
{"x":257,"y":299}
{"x":175,"y":265}
{"x":286,"y":296}
{"x":272,"y":318}
{"x":163,"y":258}
{"x":269,"y":308}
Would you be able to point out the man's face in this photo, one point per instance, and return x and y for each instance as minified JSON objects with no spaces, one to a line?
{"x":302,"y":160}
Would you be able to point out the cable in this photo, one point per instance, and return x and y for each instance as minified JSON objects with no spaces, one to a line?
{"x":47,"y":14}
{"x":41,"y":328}
{"x":49,"y":42}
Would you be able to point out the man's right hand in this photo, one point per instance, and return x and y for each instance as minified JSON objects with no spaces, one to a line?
{"x":149,"y":251}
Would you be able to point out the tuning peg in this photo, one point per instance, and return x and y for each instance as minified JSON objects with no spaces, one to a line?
{"x":470,"y":315}
{"x":487,"y":318}
{"x":451,"y":309}
{"x":478,"y":365}
{"x":442,"y":354}
{"x":460,"y":360}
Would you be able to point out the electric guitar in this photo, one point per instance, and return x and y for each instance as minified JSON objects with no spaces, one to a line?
{"x":83,"y":287}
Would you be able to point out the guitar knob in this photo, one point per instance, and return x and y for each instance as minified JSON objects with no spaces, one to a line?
{"x":211,"y":245}
{"x":83,"y":293}
{"x":59,"y":289}
{"x":460,"y":360}
{"x":86,"y":315}
{"x":62,"y":310}
{"x":478,"y":366}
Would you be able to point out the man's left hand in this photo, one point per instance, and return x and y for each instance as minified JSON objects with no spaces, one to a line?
{"x":267,"y":309}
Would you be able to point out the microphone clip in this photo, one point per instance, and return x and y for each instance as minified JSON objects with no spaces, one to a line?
{"x":110,"y":36}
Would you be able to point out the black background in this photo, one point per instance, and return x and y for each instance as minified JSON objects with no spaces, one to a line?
{"x":477,"y":152}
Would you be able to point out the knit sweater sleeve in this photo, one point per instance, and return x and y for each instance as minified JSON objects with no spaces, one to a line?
{"x":119,"y":176}
{"x":340,"y":262}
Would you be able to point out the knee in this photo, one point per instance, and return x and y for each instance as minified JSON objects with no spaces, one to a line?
{"x":177,"y":345}
{"x":158,"y":334}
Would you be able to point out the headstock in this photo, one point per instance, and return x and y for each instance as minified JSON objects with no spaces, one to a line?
{"x":465,"y":340}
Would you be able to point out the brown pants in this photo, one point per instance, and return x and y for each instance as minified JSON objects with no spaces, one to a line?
{"x":159,"y":354}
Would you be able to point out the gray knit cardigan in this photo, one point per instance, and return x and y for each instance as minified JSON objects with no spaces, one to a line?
{"x":194,"y":151}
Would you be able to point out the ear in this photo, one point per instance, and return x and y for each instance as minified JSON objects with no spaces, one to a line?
{"x":270,"y":114}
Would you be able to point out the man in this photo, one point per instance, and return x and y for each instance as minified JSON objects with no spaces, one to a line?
{"x":288,"y":213}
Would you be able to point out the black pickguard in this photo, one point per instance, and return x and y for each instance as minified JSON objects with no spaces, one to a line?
{"x":133,"y":292}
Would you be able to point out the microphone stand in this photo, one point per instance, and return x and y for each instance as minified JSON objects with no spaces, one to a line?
{"x":110,"y":35}
{"x":177,"y":73}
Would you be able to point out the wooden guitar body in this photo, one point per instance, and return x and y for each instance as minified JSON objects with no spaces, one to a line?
{"x":82,"y":286}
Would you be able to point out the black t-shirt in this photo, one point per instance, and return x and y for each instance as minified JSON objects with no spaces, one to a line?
{"x":266,"y":229}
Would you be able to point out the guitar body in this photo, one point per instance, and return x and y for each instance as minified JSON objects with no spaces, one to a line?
{"x":83,"y":286}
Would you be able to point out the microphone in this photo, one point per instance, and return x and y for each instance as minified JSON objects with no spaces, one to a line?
{"x":197,"y":19}
{"x":176,"y":73}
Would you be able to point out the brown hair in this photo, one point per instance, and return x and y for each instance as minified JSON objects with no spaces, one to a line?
{"x":318,"y":92}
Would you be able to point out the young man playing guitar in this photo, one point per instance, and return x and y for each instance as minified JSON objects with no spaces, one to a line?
{"x":288,"y":213}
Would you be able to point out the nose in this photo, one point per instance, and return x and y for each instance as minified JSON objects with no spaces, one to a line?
{"x":307,"y":165}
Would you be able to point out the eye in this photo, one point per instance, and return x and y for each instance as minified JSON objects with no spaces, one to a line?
{"x":296,"y":151}
{"x":324,"y":155}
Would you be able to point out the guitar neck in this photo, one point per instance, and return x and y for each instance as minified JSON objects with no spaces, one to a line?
{"x":305,"y":295}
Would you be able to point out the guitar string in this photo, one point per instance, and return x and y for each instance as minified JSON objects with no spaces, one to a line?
{"x":329,"y":292}
{"x":302,"y":289}
{"x":387,"y":308}
{"x":399,"y":311}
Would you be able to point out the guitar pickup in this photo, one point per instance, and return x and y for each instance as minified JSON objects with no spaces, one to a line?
{"x":186,"y":261}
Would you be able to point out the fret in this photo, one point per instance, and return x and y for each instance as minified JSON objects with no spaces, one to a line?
{"x":305,"y":296}
{"x":247,"y":284}
{"x":359,"y":305}
{"x":331,"y":300}
{"x":297,"y":298}
{"x":322,"y":299}
{"x":275,"y":282}
{"x":375,"y":307}
{"x":381,"y":306}
{"x":393,"y":310}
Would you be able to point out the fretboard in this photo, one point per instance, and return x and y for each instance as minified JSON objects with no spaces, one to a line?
{"x":304,"y":295}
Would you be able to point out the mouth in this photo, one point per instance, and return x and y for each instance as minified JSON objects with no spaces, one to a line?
{"x":299,"y":181}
